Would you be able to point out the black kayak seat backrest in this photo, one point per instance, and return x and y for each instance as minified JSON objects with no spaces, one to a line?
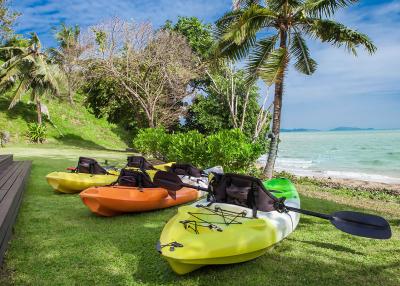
{"x":243,"y":191}
{"x":133,"y":178}
{"x":186,"y":170}
{"x":139,"y":162}
{"x":90,"y":166}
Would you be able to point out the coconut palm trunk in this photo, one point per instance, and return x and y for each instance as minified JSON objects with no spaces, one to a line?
{"x":39,"y":111}
{"x":70,"y":95}
{"x":270,"y":33}
{"x":276,"y":118}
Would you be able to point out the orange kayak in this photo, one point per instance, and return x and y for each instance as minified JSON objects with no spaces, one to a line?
{"x":115,"y":200}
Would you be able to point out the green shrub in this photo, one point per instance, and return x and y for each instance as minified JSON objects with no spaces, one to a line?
{"x":153,"y":142}
{"x":37,"y":132}
{"x":233,"y":150}
{"x":228,"y":148}
{"x":188,"y":147}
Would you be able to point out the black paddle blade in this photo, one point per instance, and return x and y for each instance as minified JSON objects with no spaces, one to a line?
{"x":360,"y":224}
{"x":168,"y":181}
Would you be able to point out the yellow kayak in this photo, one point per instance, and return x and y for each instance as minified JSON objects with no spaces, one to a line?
{"x":70,"y":183}
{"x":219,"y":233}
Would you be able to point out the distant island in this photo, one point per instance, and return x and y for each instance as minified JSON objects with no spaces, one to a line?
{"x":341,"y":128}
{"x":299,"y":130}
{"x":350,"y":129}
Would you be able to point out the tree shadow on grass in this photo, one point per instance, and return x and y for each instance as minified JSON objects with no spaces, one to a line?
{"x":326,"y":245}
{"x":77,"y":141}
{"x":21,"y":110}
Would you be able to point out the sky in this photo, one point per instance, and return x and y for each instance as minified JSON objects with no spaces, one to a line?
{"x":362,"y":91}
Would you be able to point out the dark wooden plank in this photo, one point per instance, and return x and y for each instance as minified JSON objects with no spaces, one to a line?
{"x":8,"y":172}
{"x":5,"y":162}
{"x":11,"y":216}
{"x":8,"y":180}
{"x":10,"y":204}
{"x":4,"y":244}
{"x":13,"y":178}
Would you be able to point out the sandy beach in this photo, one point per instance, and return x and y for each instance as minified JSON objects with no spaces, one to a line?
{"x":391,"y":188}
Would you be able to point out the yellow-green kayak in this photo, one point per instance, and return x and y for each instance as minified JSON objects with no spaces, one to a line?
{"x":70,"y":183}
{"x":204,"y":234}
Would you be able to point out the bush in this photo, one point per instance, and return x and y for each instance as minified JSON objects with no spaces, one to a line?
{"x":233,"y":150}
{"x":188,"y":147}
{"x":228,"y":148}
{"x":153,"y":142}
{"x":37,"y":132}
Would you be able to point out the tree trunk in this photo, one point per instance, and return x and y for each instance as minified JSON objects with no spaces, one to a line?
{"x":150,"y":118}
{"x":70,"y":97}
{"x":276,"y":119}
{"x":39,"y":111}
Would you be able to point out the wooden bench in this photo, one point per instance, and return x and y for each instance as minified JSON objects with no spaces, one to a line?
{"x":13,"y":178}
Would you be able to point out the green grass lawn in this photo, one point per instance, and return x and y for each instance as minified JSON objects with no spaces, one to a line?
{"x":79,"y":127}
{"x":57,"y":241}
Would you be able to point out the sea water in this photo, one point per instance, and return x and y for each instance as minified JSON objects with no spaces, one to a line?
{"x":363,"y":155}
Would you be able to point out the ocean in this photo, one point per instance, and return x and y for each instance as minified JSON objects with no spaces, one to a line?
{"x":362,"y":155}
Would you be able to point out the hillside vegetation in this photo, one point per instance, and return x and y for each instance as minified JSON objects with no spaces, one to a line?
{"x":71,"y":125}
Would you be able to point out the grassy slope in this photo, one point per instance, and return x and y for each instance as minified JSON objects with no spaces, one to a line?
{"x":75,"y":126}
{"x":57,"y":241}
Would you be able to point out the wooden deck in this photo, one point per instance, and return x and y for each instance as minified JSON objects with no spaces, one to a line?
{"x":13,"y":178}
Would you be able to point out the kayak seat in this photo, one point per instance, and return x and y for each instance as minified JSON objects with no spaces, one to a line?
{"x":242,"y":191}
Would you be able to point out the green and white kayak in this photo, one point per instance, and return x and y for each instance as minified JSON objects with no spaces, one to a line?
{"x":219,"y":233}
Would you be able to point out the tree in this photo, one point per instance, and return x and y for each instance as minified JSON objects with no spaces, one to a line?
{"x":103,"y":97}
{"x":7,"y":19}
{"x":29,"y":70}
{"x":67,"y":56}
{"x":198,"y":34}
{"x":270,"y":33}
{"x":154,"y":68}
{"x":228,"y":103}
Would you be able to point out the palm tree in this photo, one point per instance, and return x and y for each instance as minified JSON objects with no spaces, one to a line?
{"x":28,"y":70}
{"x":270,"y":33}
{"x":67,"y":55}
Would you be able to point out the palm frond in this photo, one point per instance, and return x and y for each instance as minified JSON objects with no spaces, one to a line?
{"x":298,"y":48}
{"x":248,"y":24}
{"x":233,"y":51}
{"x":14,"y":60}
{"x":237,"y":4}
{"x":222,"y":24}
{"x":259,"y":56}
{"x":21,"y":89}
{"x":21,"y":50}
{"x":274,"y":67}
{"x":10,"y":76}
{"x":338,"y":35}
{"x":319,"y":8}
{"x":278,"y":5}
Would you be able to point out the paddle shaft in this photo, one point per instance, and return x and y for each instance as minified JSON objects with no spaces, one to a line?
{"x":330,"y":217}
{"x":311,"y":213}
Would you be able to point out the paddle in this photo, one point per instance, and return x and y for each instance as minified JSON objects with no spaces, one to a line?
{"x":355,"y":223}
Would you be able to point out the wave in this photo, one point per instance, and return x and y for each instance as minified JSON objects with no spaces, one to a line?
{"x":342,"y":175}
{"x":288,"y":162}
